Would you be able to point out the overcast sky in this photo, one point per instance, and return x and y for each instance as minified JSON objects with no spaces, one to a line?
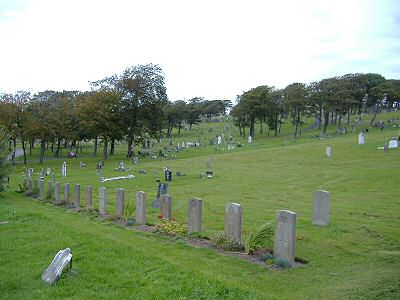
{"x":215,"y":49}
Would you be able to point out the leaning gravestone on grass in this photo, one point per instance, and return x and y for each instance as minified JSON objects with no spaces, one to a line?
{"x":393,"y":144}
{"x":103,"y":201}
{"x":285,"y":235}
{"x":119,"y":211}
{"x":161,"y":190}
{"x":166,"y":206}
{"x":233,"y":220}
{"x":194,"y":215}
{"x":321,"y":212}
{"x":89,"y":192}
{"x":141,"y":208}
{"x":62,"y":259}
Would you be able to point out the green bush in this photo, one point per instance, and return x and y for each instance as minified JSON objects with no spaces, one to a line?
{"x":260,"y":238}
{"x":226,"y":243}
{"x":129,"y":210}
{"x":171,"y":227}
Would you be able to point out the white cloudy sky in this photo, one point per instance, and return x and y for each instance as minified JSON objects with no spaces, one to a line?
{"x":210,"y":48}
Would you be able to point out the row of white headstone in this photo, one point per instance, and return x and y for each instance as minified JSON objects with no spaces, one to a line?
{"x":285,"y":224}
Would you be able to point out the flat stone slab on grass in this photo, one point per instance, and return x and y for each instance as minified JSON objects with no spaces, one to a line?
{"x":62,"y":259}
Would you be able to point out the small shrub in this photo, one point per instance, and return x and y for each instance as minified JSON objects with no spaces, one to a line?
{"x":171,"y":227}
{"x":35,"y":192}
{"x":49,"y":195}
{"x":260,"y":238}
{"x":226,"y":243}
{"x":282,"y":263}
{"x":129,"y":209}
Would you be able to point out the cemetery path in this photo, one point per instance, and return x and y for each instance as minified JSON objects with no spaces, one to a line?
{"x":18,"y":153}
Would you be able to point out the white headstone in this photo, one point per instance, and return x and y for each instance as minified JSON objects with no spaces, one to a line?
{"x":120,"y":203}
{"x":103,"y":201}
{"x":219,"y":140}
{"x":328,"y":151}
{"x":285,"y":235}
{"x":361,"y":138}
{"x":141,"y":208}
{"x":233,"y":220}
{"x":64,"y":170}
{"x":250,"y":139}
{"x":55,"y":269}
{"x":393,"y":144}
{"x":321,"y":211}
{"x":89,"y":204}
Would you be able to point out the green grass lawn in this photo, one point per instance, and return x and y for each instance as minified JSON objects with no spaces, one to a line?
{"x":357,"y":256}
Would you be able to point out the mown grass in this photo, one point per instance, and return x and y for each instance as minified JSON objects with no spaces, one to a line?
{"x":357,"y":256}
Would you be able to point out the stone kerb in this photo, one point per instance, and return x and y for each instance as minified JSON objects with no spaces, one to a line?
{"x":285,"y":235}
{"x":233,"y":220}
{"x":194,"y":215}
{"x":321,"y":210}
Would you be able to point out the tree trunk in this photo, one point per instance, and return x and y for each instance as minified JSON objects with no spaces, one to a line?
{"x":348,"y":117}
{"x":42,"y":149}
{"x":130,"y":142}
{"x":179,"y":128}
{"x":320,"y":117}
{"x":30,"y":149}
{"x":24,"y":150}
{"x":58,"y":147}
{"x":105,"y":148}
{"x":297,"y":121}
{"x":52,"y":145}
{"x":251,"y":133}
{"x":95,"y":146}
{"x":375,"y":110}
{"x":77,"y":147}
{"x":112,"y":146}
{"x":15,"y":148}
{"x":326,"y":121}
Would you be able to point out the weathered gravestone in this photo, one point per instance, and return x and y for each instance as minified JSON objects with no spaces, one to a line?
{"x":361,"y":138}
{"x":66,"y":193}
{"x":30,"y":189}
{"x":386,"y":148}
{"x":321,"y":211}
{"x":161,"y":190}
{"x":53,"y":178}
{"x":119,"y":212}
{"x":166,"y":207}
{"x":285,"y":235}
{"x":41,"y":192}
{"x":141,"y":208}
{"x":328,"y":151}
{"x":233,"y":220}
{"x":89,"y":203}
{"x":393,"y":144}
{"x":49,"y":187}
{"x":103,"y":201}
{"x":77,"y":196}
{"x":194,"y":215}
{"x":57,"y":196}
{"x":62,"y":259}
{"x":64,"y":170}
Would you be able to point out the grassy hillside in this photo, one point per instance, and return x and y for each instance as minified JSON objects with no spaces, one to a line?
{"x":356,"y":256}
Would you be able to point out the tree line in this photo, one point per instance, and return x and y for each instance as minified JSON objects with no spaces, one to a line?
{"x":333,"y":99}
{"x":131,"y":106}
